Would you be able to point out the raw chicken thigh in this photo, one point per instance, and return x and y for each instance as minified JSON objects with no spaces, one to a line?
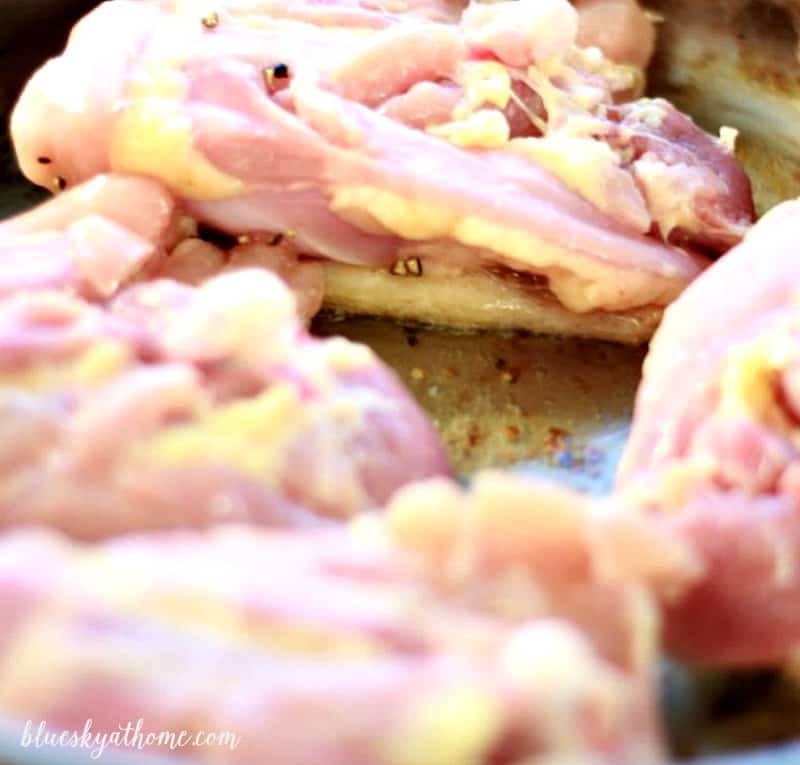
{"x":714,"y":448}
{"x":409,"y":640}
{"x":492,"y":145}
{"x":172,"y":405}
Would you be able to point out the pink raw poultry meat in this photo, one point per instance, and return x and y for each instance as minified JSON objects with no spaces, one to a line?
{"x":98,"y":237}
{"x":412,"y":641}
{"x":89,"y":241}
{"x":715,"y":448}
{"x":329,"y":155}
{"x":620,"y":28}
{"x":195,"y":260}
{"x":181,"y":406}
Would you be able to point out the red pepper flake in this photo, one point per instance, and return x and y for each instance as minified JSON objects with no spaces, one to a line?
{"x":556,"y":439}
{"x":44,"y":161}
{"x":474,"y":437}
{"x":512,"y":433}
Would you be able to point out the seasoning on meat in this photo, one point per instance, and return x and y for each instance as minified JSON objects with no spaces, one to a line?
{"x":130,"y":405}
{"x":458,"y":628}
{"x":407,"y":267}
{"x":211,"y":20}
{"x":490,"y":140}
{"x":714,"y":452}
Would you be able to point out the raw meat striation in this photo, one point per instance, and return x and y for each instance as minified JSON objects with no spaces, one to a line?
{"x":410,"y":640}
{"x":375,"y":132}
{"x":715,"y":444}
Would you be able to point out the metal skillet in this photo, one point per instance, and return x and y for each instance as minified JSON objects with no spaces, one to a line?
{"x":544,"y":406}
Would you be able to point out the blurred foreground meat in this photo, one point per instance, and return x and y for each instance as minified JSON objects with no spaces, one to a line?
{"x":181,"y":406}
{"x":715,"y":447}
{"x":101,"y":236}
{"x":442,"y":633}
{"x":370,"y":135}
{"x":89,"y":241}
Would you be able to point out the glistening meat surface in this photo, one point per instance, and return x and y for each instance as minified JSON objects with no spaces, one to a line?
{"x":714,"y":448}
{"x":496,"y":136}
{"x":408,"y":641}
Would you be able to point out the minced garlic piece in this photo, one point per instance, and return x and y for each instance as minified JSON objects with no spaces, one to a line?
{"x":727,"y":137}
{"x":154,"y":137}
{"x":674,"y":484}
{"x":95,"y":366}
{"x":485,"y":129}
{"x":406,"y":217}
{"x":346,"y":356}
{"x":457,"y":726}
{"x":485,"y":82}
{"x":217,"y":616}
{"x":250,"y":436}
{"x":748,"y":381}
{"x":585,"y":165}
{"x":426,"y":219}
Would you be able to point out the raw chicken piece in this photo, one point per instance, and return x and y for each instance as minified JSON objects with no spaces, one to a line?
{"x":114,"y":230}
{"x":194,"y":260}
{"x":181,"y":406}
{"x":334,"y":132}
{"x":714,"y":448}
{"x":735,"y":62}
{"x":620,"y":28}
{"x":389,"y":657}
{"x":90,"y":240}
{"x":508,"y":542}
